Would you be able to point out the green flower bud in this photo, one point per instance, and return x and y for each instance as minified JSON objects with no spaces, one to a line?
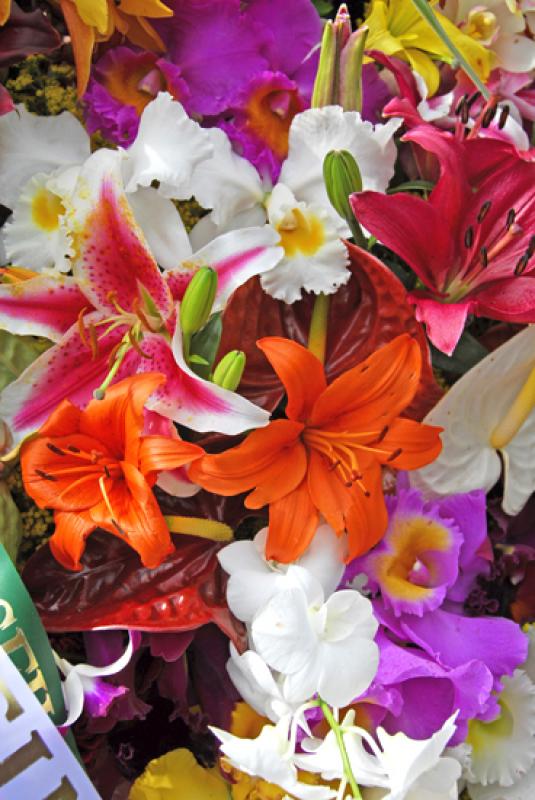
{"x":229,"y":371}
{"x":342,"y":177}
{"x":198,"y":300}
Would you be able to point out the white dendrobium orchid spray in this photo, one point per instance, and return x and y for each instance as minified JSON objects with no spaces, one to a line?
{"x":488,"y":413}
{"x":297,"y":207}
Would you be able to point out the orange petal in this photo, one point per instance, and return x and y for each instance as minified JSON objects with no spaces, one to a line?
{"x":244,"y":467}
{"x":146,"y":8}
{"x":367,"y":517}
{"x":284,"y":475}
{"x":83,"y":42}
{"x":419,"y":444}
{"x":139,"y":31}
{"x":292,"y":525}
{"x":328,"y":492}
{"x":68,"y":540}
{"x":5,"y":11}
{"x":136,"y":517}
{"x":162,"y":452}
{"x":377,"y":389}
{"x":64,"y":420}
{"x":118,"y":418}
{"x":301,"y":373}
{"x":55,"y":478}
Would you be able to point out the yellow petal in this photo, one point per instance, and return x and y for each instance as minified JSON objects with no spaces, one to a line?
{"x":177,"y":774}
{"x":144,"y":8}
{"x":94,"y":13}
{"x":5,"y":10}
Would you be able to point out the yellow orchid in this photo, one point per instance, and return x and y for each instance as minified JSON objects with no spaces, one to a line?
{"x":92,"y":21}
{"x":397,"y":29}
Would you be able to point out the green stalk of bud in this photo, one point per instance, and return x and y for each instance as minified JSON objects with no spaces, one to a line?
{"x":335,"y":35}
{"x":197,"y":303}
{"x":350,"y":90}
{"x":342,"y":177}
{"x":229,"y":371}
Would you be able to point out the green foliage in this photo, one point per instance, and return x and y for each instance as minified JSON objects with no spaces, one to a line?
{"x":10,"y":522}
{"x":17,"y":353}
{"x":204,"y":346}
{"x":323,"y":7}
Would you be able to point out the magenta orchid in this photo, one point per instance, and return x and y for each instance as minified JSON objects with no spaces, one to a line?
{"x":119,"y":312}
{"x":471,"y":249}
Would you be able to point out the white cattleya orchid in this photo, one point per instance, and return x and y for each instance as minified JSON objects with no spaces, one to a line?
{"x":320,"y":647}
{"x":488,"y":413}
{"x":297,"y":207}
{"x":254,"y":581}
{"x":258,"y":685}
{"x":83,"y":685}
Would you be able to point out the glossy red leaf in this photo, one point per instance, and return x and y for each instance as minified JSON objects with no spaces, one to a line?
{"x":368,"y":312}
{"x":114,"y":590}
{"x":25,"y":34}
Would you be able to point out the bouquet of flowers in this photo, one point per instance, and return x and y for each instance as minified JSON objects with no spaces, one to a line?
{"x":267,"y":400}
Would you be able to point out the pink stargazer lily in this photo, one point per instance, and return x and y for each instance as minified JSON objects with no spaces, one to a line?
{"x":470,"y":248}
{"x":119,"y":298}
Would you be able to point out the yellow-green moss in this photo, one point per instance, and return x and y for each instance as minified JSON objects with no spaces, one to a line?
{"x":191,"y":212}
{"x":37,"y":523}
{"x":44,"y":87}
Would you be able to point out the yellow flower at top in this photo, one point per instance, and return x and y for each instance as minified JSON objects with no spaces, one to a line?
{"x":397,"y":28}
{"x":177,"y":774}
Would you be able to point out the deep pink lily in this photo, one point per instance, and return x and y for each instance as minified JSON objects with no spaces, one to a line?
{"x":119,"y":308}
{"x":471,"y":249}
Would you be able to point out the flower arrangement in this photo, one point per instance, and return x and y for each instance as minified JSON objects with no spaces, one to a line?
{"x":267,"y":400}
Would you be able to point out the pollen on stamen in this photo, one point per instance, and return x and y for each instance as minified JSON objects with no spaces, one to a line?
{"x":484,"y":210}
{"x":395,"y":454}
{"x":503,"y":117}
{"x":511,"y":214}
{"x":56,"y":450}
{"x":45,"y":475}
{"x":469,"y":237}
{"x":484,"y":256}
{"x":522,"y":264}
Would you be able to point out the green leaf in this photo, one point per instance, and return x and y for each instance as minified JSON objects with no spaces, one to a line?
{"x":10,"y":522}
{"x":323,"y":7}
{"x":17,"y":353}
{"x":466,"y":355}
{"x":205,"y":345}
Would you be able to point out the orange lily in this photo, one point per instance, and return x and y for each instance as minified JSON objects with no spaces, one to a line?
{"x":92,"y":21}
{"x":326,"y":456}
{"x":96,"y":469}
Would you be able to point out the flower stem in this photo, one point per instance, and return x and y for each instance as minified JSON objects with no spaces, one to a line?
{"x":317,"y":336}
{"x":337,"y":730}
{"x":429,"y":15}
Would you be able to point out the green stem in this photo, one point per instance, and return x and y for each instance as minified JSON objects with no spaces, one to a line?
{"x":317,"y":336}
{"x":99,"y":393}
{"x":337,"y":730}
{"x":429,"y":15}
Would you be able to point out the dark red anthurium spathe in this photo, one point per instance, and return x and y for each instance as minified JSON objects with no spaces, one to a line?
{"x":471,"y":249}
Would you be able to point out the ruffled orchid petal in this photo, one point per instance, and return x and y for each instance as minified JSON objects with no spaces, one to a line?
{"x":167,"y":148}
{"x":41,"y":306}
{"x":112,"y":260}
{"x":31,"y":144}
{"x":188,"y":399}
{"x":235,"y":256}
{"x":67,"y":370}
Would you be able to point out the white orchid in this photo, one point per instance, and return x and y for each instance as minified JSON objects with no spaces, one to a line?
{"x":297,"y":207}
{"x":488,"y":413}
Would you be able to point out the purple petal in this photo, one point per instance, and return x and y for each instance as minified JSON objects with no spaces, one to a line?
{"x":99,"y":696}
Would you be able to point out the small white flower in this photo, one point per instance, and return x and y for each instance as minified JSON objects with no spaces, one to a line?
{"x":320,"y":647}
{"x":257,"y":685}
{"x":253,"y":580}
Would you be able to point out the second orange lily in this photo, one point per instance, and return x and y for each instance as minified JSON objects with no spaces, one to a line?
{"x":326,"y":457}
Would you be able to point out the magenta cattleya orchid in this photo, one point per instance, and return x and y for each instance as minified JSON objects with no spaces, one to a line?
{"x":120,"y":309}
{"x":470,"y":248}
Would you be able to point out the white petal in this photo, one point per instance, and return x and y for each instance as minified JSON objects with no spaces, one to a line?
{"x":167,"y":148}
{"x":282,"y":634}
{"x":349,"y":613}
{"x":255,"y":682}
{"x":347,"y":669}
{"x":205,"y":230}
{"x":317,"y":131}
{"x":162,"y":225}
{"x":226,"y":182}
{"x":30,"y":144}
{"x":324,"y":558}
{"x":515,"y":52}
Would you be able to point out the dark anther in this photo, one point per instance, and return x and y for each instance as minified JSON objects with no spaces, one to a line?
{"x":465,"y":114}
{"x":44,"y":475}
{"x":106,"y":471}
{"x":484,"y":256}
{"x":521,"y":264}
{"x":471,"y":100}
{"x":469,"y":237}
{"x":488,"y":116}
{"x":460,"y":105}
{"x":382,"y":434}
{"x":56,"y":450}
{"x":484,"y":210}
{"x":73,"y":449}
{"x":503,"y":117}
{"x":367,"y":493}
{"x":531,"y":247}
{"x":511,"y":214}
{"x":395,"y":454}
{"x":118,"y":527}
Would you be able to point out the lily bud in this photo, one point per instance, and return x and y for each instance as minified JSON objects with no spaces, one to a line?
{"x":338,"y":79}
{"x":229,"y":371}
{"x":342,"y":178}
{"x":198,"y":300}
